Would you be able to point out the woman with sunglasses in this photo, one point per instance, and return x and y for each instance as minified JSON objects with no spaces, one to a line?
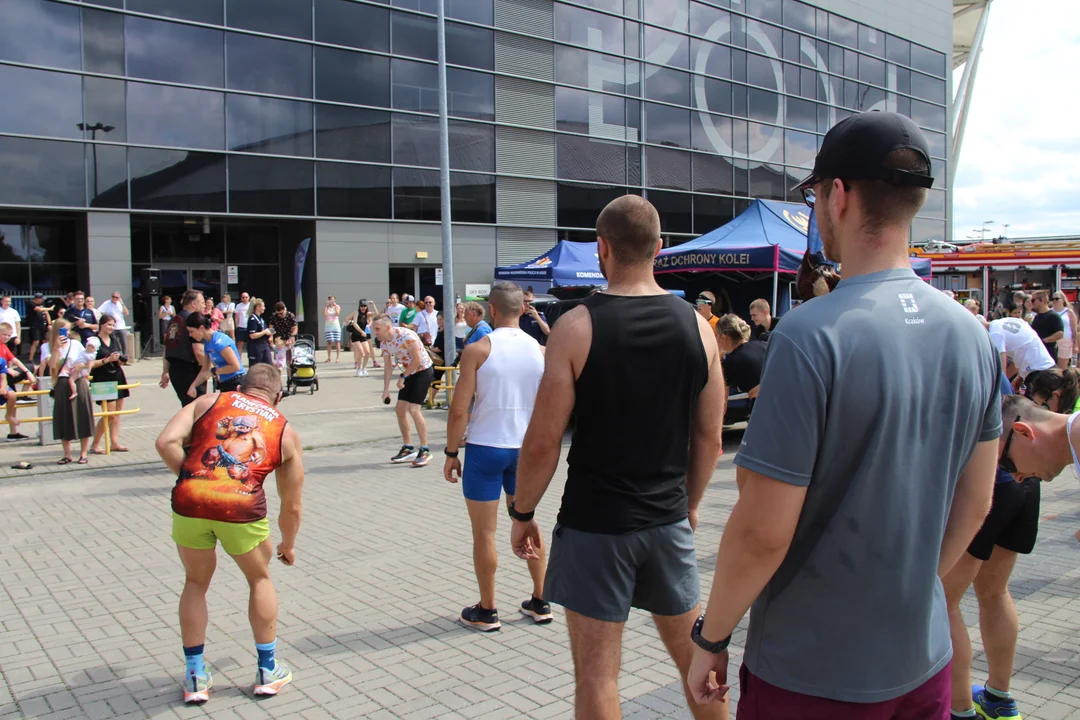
{"x":1057,"y":390}
{"x":1066,"y":346}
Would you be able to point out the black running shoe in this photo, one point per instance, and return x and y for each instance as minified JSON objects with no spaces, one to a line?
{"x":12,"y":437}
{"x":481,"y":619}
{"x":538,"y":610}
{"x":407,"y":453}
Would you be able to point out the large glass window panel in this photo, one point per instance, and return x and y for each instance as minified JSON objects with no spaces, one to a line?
{"x":360,"y":191}
{"x":712,"y":95}
{"x":765,"y":9}
{"x":268,"y":125}
{"x":897,"y":50}
{"x":739,"y":137}
{"x":472,"y":198}
{"x":416,"y":194}
{"x":765,"y":106}
{"x":843,"y":31}
{"x":588,"y":159}
{"x":711,"y":212}
{"x":477,"y":11}
{"x":666,"y":168}
{"x":414,"y":36}
{"x":800,"y":149}
{"x":738,"y":100}
{"x":470,"y":46}
{"x":667,"y":85}
{"x":206,"y":11}
{"x":572,"y":110}
{"x":937,"y":171}
{"x":588,"y":29}
{"x":632,"y":33}
{"x":345,"y":22}
{"x":40,"y":102}
{"x":676,"y":210}
{"x":927,"y":60}
{"x":928,"y":88}
{"x":42,"y":172}
{"x":768,"y":182}
{"x":346,"y":133}
{"x":271,"y":186}
{"x":180,"y":117}
{"x":738,"y":65}
{"x":667,"y":13}
{"x":40,"y":33}
{"x":579,"y":204}
{"x":872,"y":70}
{"x":633,"y":165}
{"x":667,"y":125}
{"x":799,"y":16}
{"x":103,"y":42}
{"x":155,"y":47}
{"x":416,"y":87}
{"x":104,"y":103}
{"x":472,"y":146}
{"x":416,"y":142}
{"x":708,"y":21}
{"x":937,"y":144}
{"x":177,"y":241}
{"x":793,"y":48}
{"x":801,"y":114}
{"x":871,"y":41}
{"x":572,"y":65}
{"x":252,"y":243}
{"x":928,"y":116}
{"x":106,"y":167}
{"x":666,"y":48}
{"x":934,"y":205}
{"x":737,"y":36}
{"x":54,"y":279}
{"x":765,"y":38}
{"x":291,"y":18}
{"x":924,"y":231}
{"x":14,"y":276}
{"x":766,"y":142}
{"x":352,"y":77}
{"x":711,"y":133}
{"x":851,"y":64}
{"x":265,"y":65}
{"x":710,"y":59}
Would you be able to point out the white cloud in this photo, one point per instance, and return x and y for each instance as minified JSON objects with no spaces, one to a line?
{"x":1020,"y":161}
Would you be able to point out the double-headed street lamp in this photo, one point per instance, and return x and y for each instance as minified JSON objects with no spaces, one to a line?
{"x":93,"y":130}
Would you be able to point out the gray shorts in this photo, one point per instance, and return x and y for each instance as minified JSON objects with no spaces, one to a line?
{"x":603,"y":576}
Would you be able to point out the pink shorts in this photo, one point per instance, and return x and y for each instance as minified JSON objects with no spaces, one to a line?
{"x":1065,"y":349}
{"x":758,"y":700}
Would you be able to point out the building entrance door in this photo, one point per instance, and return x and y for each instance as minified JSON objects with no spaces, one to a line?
{"x":209,"y":279}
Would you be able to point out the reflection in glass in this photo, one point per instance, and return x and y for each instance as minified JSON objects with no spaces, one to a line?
{"x":352,"y":77}
{"x":578,"y":26}
{"x":416,"y":140}
{"x":764,"y":105}
{"x":923,"y":231}
{"x":871,"y":41}
{"x":268,"y":125}
{"x":107,"y":169}
{"x":414,"y":36}
{"x":472,"y":198}
{"x":579,"y":204}
{"x":416,"y":87}
{"x":703,"y":18}
{"x":843,"y":31}
{"x":937,"y":144}
{"x":799,"y":16}
{"x":360,"y":191}
{"x":346,"y":133}
{"x":206,"y":11}
{"x":416,"y":194}
{"x":153,"y":46}
{"x":666,"y":48}
{"x":291,"y":18}
{"x":271,"y":186}
{"x":104,"y":102}
{"x":588,"y":159}
{"x":277,"y":67}
{"x":54,"y":279}
{"x":872,"y":70}
{"x":40,"y":102}
{"x":928,"y":116}
{"x":344,"y":22}
{"x":675,"y":209}
{"x":711,"y":212}
{"x":928,"y":88}
{"x":42,"y":172}
{"x":768,"y":182}
{"x":711,"y":133}
{"x":470,"y":46}
{"x":177,"y":180}
{"x":572,"y":110}
{"x":667,"y":13}
{"x":710,"y":58}
{"x":667,"y":168}
{"x":897,"y":50}
{"x":927,"y":60}
{"x":667,"y":125}
{"x":764,"y":9}
{"x":252,"y":243}
{"x":180,"y":117}
{"x":766,"y":142}
{"x":800,"y":149}
{"x":103,"y":42}
{"x":801,"y":114}
{"x":40,"y":33}
{"x":14,"y":277}
{"x":667,"y":85}
{"x":935,"y":204}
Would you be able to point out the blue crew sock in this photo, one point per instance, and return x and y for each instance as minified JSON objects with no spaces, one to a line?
{"x":969,"y":713}
{"x":193,"y":656}
{"x":266,"y":654}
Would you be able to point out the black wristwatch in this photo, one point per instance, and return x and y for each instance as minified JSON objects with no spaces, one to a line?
{"x":523,"y":517}
{"x":449,"y":454}
{"x":713,"y":647}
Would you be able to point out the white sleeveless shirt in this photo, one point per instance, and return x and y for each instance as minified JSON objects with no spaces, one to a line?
{"x":506,"y":387}
{"x":1065,"y":321}
{"x":1072,"y":448}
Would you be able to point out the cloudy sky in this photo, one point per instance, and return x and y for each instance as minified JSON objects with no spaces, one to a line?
{"x":1020,"y":161}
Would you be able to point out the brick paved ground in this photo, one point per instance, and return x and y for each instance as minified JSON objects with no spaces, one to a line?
{"x":90,"y":581}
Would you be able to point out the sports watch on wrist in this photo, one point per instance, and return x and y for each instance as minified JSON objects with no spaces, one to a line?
{"x":523,"y":517}
{"x":450,"y":454}
{"x":713,"y":647}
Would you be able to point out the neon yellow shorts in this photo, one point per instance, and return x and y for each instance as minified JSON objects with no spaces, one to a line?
{"x":236,"y":538}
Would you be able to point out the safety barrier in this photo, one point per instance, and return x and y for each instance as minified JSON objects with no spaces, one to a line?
{"x":103,"y":413}
{"x":447,"y":384}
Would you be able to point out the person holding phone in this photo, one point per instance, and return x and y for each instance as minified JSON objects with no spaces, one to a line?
{"x":212,"y":444}
{"x":73,"y":419}
{"x":108,"y":367}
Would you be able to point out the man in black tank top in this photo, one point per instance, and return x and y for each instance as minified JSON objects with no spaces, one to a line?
{"x":641,"y":457}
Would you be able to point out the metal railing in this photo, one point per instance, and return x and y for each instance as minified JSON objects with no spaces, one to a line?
{"x":103,"y":413}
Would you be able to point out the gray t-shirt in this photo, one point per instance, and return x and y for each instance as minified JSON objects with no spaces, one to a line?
{"x":874,"y":396}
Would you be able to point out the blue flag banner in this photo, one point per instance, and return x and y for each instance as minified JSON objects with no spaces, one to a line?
{"x":301,"y":258}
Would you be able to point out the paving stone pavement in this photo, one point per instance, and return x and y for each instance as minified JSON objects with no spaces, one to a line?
{"x":90,"y":581}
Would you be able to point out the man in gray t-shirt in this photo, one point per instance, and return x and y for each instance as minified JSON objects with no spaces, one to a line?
{"x":867,"y":468}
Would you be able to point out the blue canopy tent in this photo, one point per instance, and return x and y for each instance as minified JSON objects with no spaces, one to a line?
{"x":767,"y":237}
{"x":566,"y":264}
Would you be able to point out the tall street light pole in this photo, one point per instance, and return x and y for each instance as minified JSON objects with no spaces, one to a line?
{"x":93,"y":130}
{"x":449,"y":340}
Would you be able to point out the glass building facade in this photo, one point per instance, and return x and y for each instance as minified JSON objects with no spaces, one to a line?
{"x":303,"y":110}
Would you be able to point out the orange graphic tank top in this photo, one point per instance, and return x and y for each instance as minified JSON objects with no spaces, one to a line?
{"x":234,"y":446}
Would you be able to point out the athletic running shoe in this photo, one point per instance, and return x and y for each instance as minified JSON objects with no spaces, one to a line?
{"x":363,"y":373}
{"x":990,"y":706}
{"x":197,"y":688}
{"x":538,"y":610}
{"x":423,"y":457}
{"x":407,"y":453}
{"x":270,"y":682}
{"x":481,"y":619}
{"x":12,"y":437}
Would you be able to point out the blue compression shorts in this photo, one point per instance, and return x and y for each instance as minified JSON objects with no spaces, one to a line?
{"x":488,"y":471}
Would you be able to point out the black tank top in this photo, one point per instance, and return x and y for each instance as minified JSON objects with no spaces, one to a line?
{"x":634,"y":402}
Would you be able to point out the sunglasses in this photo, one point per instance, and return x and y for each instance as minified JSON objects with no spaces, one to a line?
{"x":1005,"y":462}
{"x":703,"y":301}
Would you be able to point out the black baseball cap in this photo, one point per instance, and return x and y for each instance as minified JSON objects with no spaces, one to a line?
{"x":38,"y":296}
{"x":856,"y":147}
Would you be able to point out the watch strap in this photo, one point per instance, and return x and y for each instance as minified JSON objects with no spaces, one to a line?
{"x":451,"y":453}
{"x":523,"y":517}
{"x":712,"y":647}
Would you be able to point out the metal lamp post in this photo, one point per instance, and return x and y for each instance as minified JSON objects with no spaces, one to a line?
{"x":449,"y":340}
{"x":93,"y":130}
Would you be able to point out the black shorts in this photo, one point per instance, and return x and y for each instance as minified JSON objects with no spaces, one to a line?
{"x":416,"y":387}
{"x":1013,"y":522}
{"x":230,"y":385}
{"x":39,"y":335}
{"x":241,"y":334}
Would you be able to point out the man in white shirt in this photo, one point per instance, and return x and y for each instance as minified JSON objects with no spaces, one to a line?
{"x":1019,"y":344}
{"x":11,"y":316}
{"x":427,"y":322}
{"x":394,"y":309}
{"x":117,"y":310}
{"x":240,"y":315}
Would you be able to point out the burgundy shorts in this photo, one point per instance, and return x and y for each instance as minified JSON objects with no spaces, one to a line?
{"x":758,"y":700}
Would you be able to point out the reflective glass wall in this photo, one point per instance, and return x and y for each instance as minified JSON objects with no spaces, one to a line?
{"x":328,"y":107}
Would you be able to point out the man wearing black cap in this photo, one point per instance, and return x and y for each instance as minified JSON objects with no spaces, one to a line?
{"x":867,"y":470}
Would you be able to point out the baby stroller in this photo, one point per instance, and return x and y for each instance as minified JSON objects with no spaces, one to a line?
{"x":302,"y":368}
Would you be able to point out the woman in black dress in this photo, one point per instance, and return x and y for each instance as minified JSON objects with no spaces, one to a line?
{"x":109,"y":367}
{"x":356,"y":326}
